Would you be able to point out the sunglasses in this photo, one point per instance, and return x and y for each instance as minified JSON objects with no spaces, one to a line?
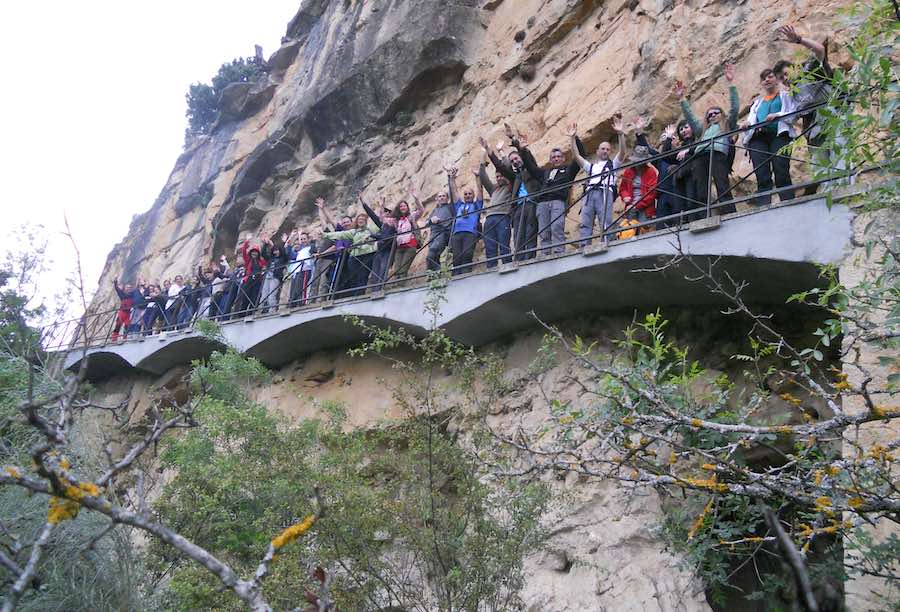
{"x":714,"y":113}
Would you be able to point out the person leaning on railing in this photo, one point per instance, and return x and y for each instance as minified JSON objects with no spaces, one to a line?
{"x":718,"y":154}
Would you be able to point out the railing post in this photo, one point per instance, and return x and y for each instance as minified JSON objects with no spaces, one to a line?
{"x":709,"y":178}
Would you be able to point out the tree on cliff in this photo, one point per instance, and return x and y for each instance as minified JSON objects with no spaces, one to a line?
{"x":788,"y":469}
{"x":203,"y":99}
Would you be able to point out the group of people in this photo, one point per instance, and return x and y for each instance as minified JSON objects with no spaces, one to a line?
{"x":678,"y":180}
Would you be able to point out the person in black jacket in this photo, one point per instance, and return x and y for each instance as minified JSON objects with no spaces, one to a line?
{"x":553,"y":199}
{"x":524,"y":213}
{"x":384,"y":243}
{"x":277,"y":260}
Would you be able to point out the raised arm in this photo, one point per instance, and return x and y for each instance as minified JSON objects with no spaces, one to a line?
{"x":789,"y":33}
{"x":734,"y":103}
{"x":528,"y":160}
{"x":483,"y":177}
{"x":679,"y":91}
{"x":618,"y":127}
{"x":418,"y":209}
{"x":451,"y":182}
{"x":324,"y":216}
{"x":479,"y":188}
{"x":578,"y":148}
{"x":372,"y":215}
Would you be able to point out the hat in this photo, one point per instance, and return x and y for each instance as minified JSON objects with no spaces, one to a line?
{"x":640,"y":153}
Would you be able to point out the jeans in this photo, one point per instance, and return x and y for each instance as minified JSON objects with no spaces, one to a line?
{"x":597,"y":203}
{"x":380,"y":265}
{"x":552,"y":226}
{"x":764,"y":147}
{"x":687,"y":198}
{"x":358,"y":269}
{"x":524,"y":220}
{"x":496,"y":239}
{"x":439,"y":240}
{"x":462,"y":245}
{"x":268,"y":298}
{"x":667,"y":204}
{"x":720,"y":172}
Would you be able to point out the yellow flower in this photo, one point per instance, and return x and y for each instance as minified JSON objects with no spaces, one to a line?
{"x":293,"y":532}
{"x":696,"y":422}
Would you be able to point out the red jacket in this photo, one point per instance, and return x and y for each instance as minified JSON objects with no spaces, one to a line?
{"x":248,"y":261}
{"x":649,"y":180}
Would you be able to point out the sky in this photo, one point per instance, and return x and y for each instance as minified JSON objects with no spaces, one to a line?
{"x":93,"y":109}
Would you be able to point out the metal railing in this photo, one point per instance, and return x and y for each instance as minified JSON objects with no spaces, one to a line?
{"x":193,"y":304}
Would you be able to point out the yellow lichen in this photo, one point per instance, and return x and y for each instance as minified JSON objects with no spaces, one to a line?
{"x":698,"y":522}
{"x":880,"y":411}
{"x":62,"y":509}
{"x":833,"y":470}
{"x":790,"y":399}
{"x":13,"y":471}
{"x":293,"y":532}
{"x":708,"y":483}
{"x":823,"y":503}
{"x":565,"y":420}
{"x":708,"y":466}
{"x":880,"y":453}
{"x":64,"y":463}
{"x":696,"y":422}
{"x":856,"y":502}
{"x":628,"y":421}
{"x":672,"y":458}
{"x":818,"y":477}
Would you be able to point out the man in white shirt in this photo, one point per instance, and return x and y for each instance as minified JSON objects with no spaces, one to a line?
{"x":601,"y":186}
{"x":174,"y":302}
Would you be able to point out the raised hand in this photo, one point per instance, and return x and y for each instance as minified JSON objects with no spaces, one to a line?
{"x":523,"y":140}
{"x":678,"y":89}
{"x":618,"y":125}
{"x":729,"y":72}
{"x":509,"y":131}
{"x":320,"y":202}
{"x":453,"y":171}
{"x":669,"y":132}
{"x":640,"y":124}
{"x":475,"y":170}
{"x":484,"y":144}
{"x":572,"y":130}
{"x":500,"y":145}
{"x":789,"y":33}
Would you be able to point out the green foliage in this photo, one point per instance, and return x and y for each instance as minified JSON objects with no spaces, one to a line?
{"x":866,"y":133}
{"x":203,"y":100}
{"x":408,"y":521}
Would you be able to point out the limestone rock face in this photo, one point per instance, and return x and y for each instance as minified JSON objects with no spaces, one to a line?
{"x":373,"y":95}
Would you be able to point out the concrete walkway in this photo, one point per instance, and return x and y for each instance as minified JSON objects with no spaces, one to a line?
{"x":775,"y":250}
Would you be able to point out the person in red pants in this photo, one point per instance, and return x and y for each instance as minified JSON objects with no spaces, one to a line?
{"x":123,"y":316}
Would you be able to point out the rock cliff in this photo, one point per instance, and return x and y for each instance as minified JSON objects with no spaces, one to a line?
{"x":372,"y":95}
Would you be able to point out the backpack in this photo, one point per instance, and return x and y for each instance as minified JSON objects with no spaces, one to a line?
{"x":607,"y":170}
